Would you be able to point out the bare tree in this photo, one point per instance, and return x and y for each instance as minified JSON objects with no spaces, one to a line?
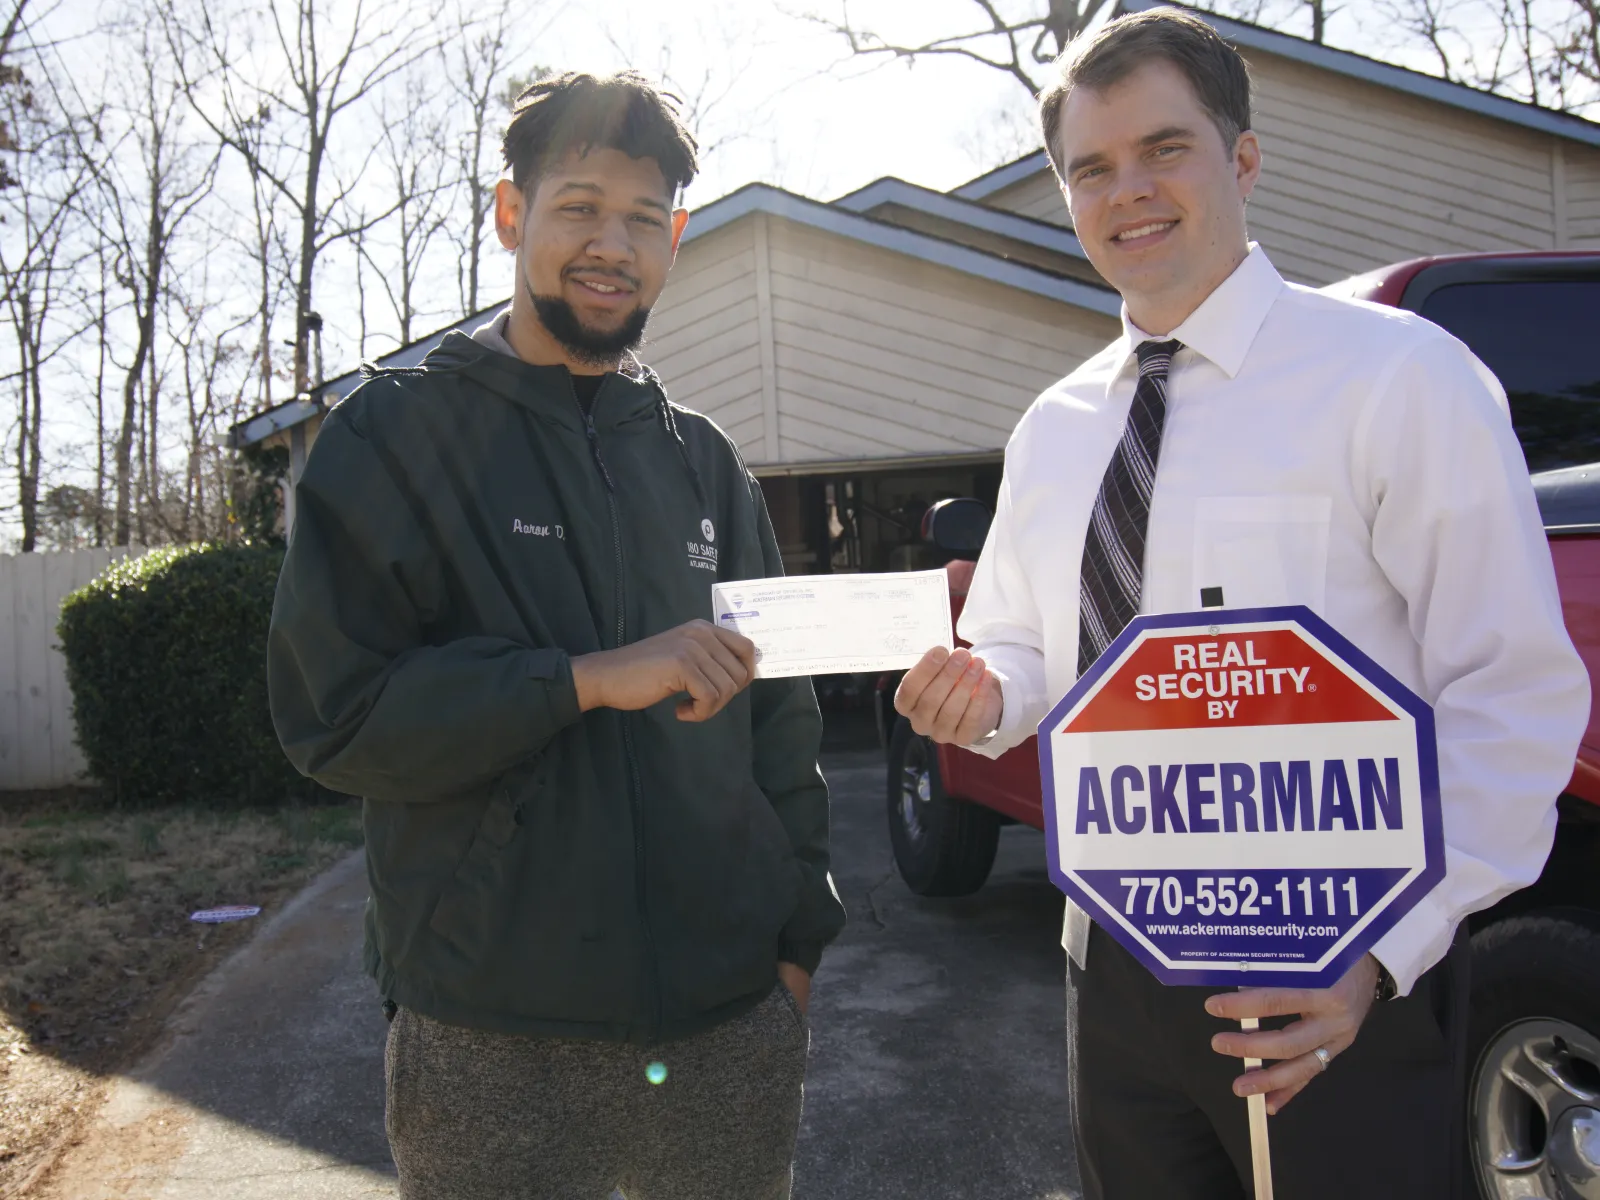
{"x":480,"y":51}
{"x":39,"y":254}
{"x":1577,"y":55}
{"x":323,"y":70}
{"x":11,"y":78}
{"x":151,"y":178}
{"x":420,"y":178}
{"x":1541,"y":51}
{"x":1019,"y":46}
{"x":714,"y":95}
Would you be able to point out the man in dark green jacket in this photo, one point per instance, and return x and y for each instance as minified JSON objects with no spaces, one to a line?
{"x":598,"y":852}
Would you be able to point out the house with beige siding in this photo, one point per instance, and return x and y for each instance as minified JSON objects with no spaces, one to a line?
{"x":871,"y":355}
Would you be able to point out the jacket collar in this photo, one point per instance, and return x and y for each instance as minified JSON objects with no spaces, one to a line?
{"x":1225,"y":325}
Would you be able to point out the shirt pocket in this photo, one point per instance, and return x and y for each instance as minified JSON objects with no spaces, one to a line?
{"x":1263,"y":551}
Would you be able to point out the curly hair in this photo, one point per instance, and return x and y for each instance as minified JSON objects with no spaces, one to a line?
{"x":577,"y":111}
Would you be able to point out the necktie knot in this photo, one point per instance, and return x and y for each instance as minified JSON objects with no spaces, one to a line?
{"x":1155,"y":358}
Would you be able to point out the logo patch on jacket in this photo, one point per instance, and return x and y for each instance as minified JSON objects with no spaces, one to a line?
{"x":703,"y":555}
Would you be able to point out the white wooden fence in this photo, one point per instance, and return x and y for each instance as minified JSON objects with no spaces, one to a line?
{"x":38,"y":743}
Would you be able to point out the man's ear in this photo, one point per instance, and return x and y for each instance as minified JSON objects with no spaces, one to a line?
{"x":1247,"y":162}
{"x":680,"y":222}
{"x":508,"y":208}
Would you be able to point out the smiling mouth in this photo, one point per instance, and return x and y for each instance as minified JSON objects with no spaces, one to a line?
{"x":1149,"y":230}
{"x":603,"y":287}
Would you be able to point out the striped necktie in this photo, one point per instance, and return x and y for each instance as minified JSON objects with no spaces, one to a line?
{"x":1112,"y":578}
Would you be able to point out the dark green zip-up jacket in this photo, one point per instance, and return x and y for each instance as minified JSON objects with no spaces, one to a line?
{"x":461,"y":530}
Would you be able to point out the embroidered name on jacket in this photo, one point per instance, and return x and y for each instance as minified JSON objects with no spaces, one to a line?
{"x":520,"y":526}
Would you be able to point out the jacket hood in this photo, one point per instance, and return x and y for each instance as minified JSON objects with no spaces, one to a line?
{"x":548,"y":391}
{"x":549,"y":394}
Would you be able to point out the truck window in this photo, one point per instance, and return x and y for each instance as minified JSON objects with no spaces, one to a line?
{"x":1542,"y":338}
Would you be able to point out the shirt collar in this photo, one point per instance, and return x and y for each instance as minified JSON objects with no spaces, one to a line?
{"x":1227,"y":321}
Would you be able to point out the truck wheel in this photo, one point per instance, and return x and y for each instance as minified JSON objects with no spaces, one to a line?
{"x":943,"y":846}
{"x":1533,"y":1096}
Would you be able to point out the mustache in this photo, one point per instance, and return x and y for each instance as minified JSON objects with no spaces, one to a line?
{"x":602,"y":273}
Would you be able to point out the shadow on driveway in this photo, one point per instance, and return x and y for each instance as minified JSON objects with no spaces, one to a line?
{"x":937,"y":1060}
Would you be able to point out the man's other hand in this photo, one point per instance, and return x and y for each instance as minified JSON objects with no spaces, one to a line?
{"x":711,"y":664}
{"x":950,"y":696}
{"x":1330,"y":1018}
{"x":798,"y":982}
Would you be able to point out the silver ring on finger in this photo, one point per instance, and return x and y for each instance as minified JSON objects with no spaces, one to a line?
{"x":1323,"y":1057}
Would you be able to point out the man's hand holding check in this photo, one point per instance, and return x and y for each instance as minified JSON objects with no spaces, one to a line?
{"x":950,"y":696}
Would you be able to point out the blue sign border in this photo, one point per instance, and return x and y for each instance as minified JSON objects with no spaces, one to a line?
{"x":1427,"y":762}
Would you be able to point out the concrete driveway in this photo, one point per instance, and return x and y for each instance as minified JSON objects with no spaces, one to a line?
{"x":937,"y":1061}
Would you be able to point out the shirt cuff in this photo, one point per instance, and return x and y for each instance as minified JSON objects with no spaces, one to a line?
{"x":1004,"y":735}
{"x":1420,"y":939}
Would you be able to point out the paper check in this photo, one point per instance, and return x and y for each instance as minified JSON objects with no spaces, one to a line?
{"x":834,"y":624}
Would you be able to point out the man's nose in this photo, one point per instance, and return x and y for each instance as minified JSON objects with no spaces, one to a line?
{"x":612,"y":241}
{"x":1132,"y":182}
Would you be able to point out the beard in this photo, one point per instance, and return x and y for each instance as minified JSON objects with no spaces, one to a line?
{"x":593,"y":347}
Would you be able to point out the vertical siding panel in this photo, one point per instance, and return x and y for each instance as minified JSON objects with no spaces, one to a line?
{"x":33,"y":649}
{"x":10,"y":678}
{"x":65,"y":574}
{"x":1583,"y":196}
{"x":769,"y":362}
{"x":59,"y":572}
{"x":38,"y":739}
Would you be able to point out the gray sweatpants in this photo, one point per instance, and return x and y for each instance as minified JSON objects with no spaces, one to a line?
{"x":488,"y":1116}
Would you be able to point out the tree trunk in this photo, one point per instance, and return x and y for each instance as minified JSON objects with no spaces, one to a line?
{"x":308,"y":261}
{"x":480,"y":210}
{"x":100,"y":530}
{"x":27,"y":486}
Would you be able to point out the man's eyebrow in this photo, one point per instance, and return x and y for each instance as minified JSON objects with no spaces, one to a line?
{"x":594,"y":189}
{"x":1084,"y":160}
{"x":1168,"y":134}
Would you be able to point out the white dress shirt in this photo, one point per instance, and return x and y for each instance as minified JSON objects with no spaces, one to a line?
{"x":1349,"y":457}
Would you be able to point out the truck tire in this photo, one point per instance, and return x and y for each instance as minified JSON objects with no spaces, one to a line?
{"x":1533,"y":1054}
{"x":942,"y":846}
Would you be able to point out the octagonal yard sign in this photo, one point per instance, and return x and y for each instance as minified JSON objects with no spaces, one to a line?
{"x":1242,"y":797}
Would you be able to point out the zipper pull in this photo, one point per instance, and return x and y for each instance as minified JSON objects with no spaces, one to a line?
{"x":594,"y":448}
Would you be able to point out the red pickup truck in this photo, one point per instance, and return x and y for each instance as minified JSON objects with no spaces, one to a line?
{"x":1533,"y":1103}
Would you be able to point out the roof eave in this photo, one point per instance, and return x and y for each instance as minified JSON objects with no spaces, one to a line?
{"x":830,"y":218}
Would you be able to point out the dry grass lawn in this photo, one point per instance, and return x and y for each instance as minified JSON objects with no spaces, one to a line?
{"x":96,"y":945}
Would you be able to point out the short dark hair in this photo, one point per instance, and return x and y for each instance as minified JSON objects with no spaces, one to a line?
{"x":1215,"y":70}
{"x":578,"y":111}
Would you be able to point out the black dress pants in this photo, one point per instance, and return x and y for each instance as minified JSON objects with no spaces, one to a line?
{"x":1155,"y":1118}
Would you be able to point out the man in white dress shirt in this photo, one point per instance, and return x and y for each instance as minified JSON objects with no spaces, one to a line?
{"x":1289,"y":448}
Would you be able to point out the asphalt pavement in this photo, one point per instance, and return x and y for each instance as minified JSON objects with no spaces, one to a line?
{"x":937,"y":1059}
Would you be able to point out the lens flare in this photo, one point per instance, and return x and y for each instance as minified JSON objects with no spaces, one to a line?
{"x":656,"y":1073}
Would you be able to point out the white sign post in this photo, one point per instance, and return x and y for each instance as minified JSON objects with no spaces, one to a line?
{"x":1242,"y":798}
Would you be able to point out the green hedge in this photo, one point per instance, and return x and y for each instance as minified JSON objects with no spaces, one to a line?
{"x":166,"y":655}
